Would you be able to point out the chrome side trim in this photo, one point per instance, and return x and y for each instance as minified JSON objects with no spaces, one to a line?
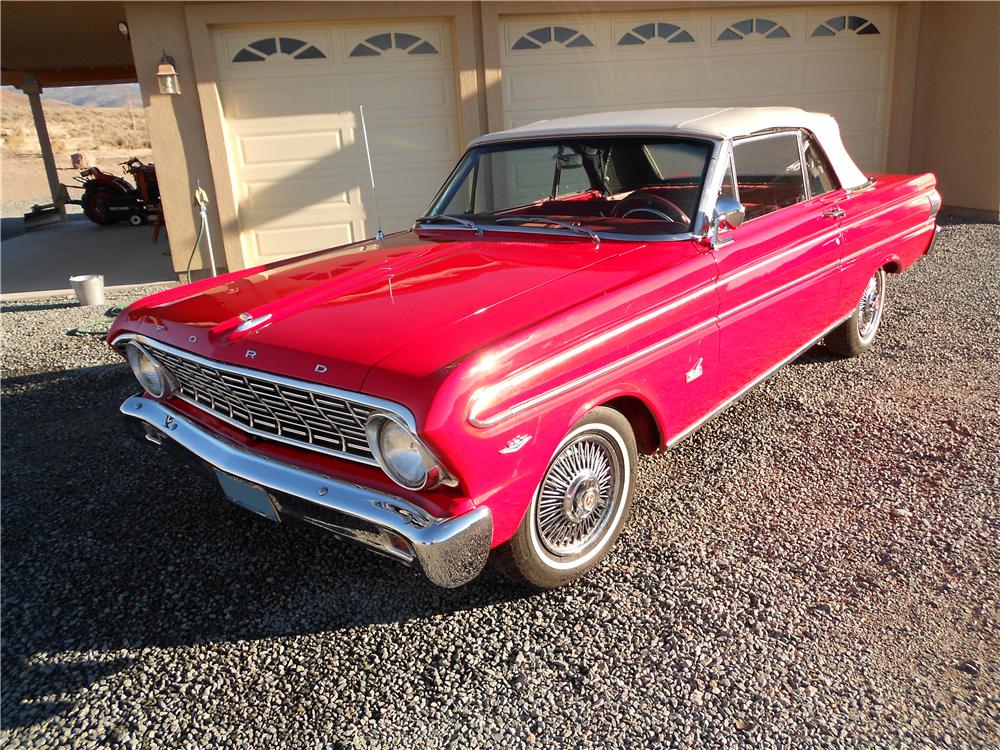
{"x":593,"y":375}
{"x":451,"y":551}
{"x":625,"y":327}
{"x":548,"y":364}
{"x":750,"y":386}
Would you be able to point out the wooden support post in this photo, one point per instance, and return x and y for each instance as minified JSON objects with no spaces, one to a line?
{"x":33,"y":90}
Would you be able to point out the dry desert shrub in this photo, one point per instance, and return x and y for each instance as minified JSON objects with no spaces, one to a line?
{"x":73,"y":128}
{"x":17,"y":140}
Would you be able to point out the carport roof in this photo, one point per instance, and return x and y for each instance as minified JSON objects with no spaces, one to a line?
{"x":64,"y":43}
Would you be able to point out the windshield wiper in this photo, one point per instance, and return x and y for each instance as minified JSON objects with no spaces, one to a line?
{"x":452,"y":219}
{"x":549,"y":220}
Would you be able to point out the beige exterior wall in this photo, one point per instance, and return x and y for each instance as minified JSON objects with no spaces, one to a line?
{"x":176,"y":129}
{"x":944,"y":109}
{"x":956,"y":113}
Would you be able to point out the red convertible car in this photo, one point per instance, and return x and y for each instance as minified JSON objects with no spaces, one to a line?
{"x":579,"y":291}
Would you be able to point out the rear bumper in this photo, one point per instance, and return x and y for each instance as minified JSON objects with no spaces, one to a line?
{"x":451,"y":551}
{"x":934,"y":239}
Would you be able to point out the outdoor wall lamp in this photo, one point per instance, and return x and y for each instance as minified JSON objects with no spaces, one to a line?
{"x":166,"y":76}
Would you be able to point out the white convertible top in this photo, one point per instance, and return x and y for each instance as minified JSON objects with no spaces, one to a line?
{"x":711,"y":122}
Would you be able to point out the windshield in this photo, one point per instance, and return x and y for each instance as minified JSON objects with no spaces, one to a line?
{"x":622,"y":185}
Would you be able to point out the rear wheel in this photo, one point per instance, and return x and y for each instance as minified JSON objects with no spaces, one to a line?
{"x":580,"y":506}
{"x":855,"y":335}
{"x":95,"y":207}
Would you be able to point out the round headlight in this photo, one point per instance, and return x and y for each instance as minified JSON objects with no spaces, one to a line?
{"x":147,"y":370}
{"x":401,"y":454}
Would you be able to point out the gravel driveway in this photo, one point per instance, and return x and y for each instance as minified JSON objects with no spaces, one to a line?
{"x":816,"y":568}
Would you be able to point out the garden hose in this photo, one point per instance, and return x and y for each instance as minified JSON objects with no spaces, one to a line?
{"x":197,"y":241}
{"x":97,"y":328}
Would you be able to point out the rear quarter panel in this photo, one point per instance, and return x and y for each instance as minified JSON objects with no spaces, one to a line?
{"x":889,"y":224}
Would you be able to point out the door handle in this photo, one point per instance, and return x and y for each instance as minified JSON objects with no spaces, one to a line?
{"x":835,"y":213}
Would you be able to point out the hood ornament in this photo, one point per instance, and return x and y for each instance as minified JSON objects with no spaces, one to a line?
{"x":249,"y":321}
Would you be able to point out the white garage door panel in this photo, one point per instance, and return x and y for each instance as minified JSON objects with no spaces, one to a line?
{"x":413,"y":94}
{"x":294,"y":135}
{"x":752,"y":76}
{"x":267,"y":149}
{"x":551,"y":88}
{"x":431,"y":139}
{"x":254,"y":102}
{"x":295,"y":192}
{"x":746,"y":56}
{"x":646,"y":82}
{"x":271,"y":244}
{"x":861,"y":69}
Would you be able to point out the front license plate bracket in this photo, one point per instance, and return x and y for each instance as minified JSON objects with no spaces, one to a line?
{"x":249,"y":496}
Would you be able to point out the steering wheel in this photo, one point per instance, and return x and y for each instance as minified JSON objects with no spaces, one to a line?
{"x":643,"y":203}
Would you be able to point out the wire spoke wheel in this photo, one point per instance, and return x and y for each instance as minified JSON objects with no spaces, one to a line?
{"x":579,"y":494}
{"x":870,"y":307}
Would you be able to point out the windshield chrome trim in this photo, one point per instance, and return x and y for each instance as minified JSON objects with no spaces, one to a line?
{"x":560,"y":232}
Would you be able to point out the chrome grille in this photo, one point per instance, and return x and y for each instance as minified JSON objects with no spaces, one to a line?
{"x":314,"y":420}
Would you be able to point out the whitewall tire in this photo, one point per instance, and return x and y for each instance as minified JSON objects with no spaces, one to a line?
{"x":579,"y":507}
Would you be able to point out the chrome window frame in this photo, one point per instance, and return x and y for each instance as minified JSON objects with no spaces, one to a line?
{"x":766,"y":135}
{"x":699,"y":223}
{"x":831,"y":173}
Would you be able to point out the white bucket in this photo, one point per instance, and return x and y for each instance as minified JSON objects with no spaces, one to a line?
{"x":89,"y":289}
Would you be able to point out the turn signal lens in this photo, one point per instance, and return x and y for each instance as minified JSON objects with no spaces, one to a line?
{"x":148,"y":371}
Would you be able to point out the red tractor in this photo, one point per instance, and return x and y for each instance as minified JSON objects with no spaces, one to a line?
{"x":108,"y":199}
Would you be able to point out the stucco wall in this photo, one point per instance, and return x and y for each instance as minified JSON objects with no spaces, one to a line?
{"x":176,"y":128}
{"x":956,"y":113}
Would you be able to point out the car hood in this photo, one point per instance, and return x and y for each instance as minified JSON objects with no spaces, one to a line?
{"x":330,"y":316}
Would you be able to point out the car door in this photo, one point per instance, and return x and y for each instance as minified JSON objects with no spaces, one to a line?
{"x":779,"y":271}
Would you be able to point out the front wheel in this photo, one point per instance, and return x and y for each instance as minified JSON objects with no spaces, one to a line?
{"x":580,"y":506}
{"x":855,"y":335}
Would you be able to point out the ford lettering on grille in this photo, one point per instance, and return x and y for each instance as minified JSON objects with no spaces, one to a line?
{"x":291,"y":415}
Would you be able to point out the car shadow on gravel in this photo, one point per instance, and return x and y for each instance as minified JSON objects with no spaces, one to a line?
{"x":816,"y":355}
{"x":109,"y":548}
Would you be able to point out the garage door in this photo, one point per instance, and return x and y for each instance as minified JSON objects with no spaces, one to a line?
{"x":290,"y":100}
{"x":830,"y":59}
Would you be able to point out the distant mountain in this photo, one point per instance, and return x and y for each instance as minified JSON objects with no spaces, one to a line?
{"x":110,"y":96}
{"x":11,"y":99}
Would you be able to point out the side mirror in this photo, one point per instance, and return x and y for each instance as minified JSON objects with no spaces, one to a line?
{"x":729,"y":213}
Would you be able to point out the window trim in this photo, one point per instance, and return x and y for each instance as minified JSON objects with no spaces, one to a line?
{"x":709,"y":178}
{"x":767,"y":135}
{"x":803,"y":134}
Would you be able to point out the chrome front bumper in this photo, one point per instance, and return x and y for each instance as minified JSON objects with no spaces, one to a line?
{"x":451,"y":551}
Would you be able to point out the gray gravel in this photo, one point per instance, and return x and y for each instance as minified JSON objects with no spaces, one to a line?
{"x":817,"y":568}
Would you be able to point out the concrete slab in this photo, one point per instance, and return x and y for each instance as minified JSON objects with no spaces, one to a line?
{"x":44,"y":259}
